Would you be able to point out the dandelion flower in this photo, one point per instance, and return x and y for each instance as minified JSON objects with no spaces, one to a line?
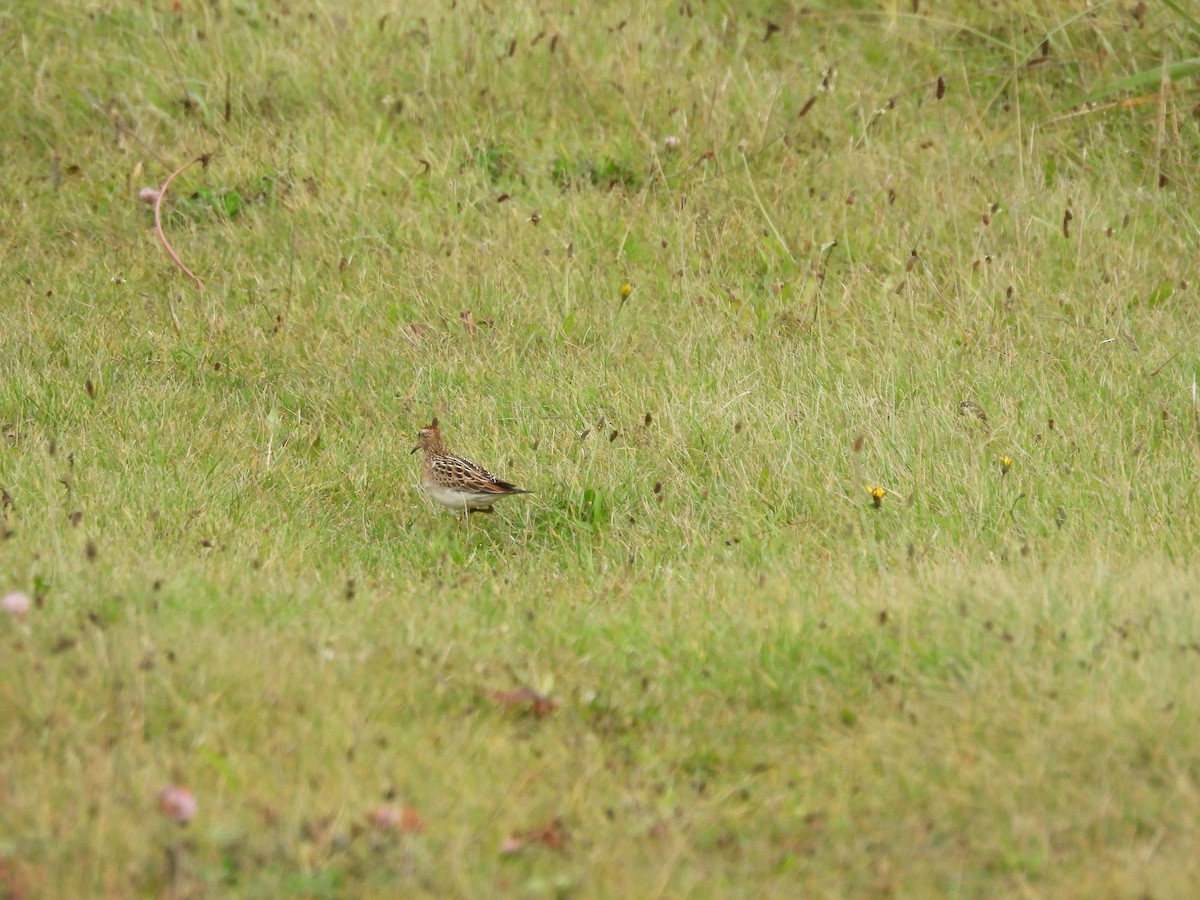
{"x":626,"y":290}
{"x":1006,"y":463}
{"x":877,"y":494}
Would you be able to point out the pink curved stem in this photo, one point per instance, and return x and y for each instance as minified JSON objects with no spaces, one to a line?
{"x":162,"y":192}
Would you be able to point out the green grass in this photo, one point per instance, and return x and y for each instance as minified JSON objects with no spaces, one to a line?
{"x":765,"y":685}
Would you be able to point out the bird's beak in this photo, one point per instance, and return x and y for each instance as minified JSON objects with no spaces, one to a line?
{"x":414,"y":450}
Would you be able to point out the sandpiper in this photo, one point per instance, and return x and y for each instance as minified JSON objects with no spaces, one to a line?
{"x":457,"y":483}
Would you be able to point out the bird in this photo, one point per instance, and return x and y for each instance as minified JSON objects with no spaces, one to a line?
{"x":455,"y":482}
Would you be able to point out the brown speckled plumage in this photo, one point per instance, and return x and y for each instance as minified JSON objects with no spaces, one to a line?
{"x":456,"y":482}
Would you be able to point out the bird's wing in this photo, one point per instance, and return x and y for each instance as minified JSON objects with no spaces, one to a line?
{"x":464,"y":475}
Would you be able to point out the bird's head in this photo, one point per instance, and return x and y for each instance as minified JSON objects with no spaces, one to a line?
{"x":429,"y":439}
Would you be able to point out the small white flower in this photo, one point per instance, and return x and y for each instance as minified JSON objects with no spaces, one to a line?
{"x":16,"y":604}
{"x":177,"y":803}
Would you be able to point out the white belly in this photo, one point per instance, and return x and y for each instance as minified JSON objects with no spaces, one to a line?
{"x":460,"y":500}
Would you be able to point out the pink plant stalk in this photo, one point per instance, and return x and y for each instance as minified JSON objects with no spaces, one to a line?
{"x":162,"y":192}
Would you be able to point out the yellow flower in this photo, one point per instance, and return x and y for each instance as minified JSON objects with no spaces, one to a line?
{"x":877,"y":495}
{"x":626,"y":290}
{"x":1006,"y":463}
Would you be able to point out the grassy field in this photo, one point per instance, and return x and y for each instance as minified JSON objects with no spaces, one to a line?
{"x":701,"y":275}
